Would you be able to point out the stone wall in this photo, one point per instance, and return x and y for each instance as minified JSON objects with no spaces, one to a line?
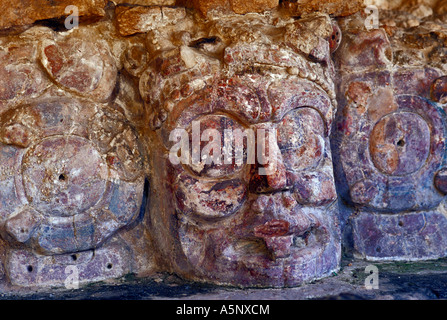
{"x":318,"y":134}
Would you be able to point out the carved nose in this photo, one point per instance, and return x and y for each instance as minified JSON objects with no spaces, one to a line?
{"x":269,"y":173}
{"x":269,"y":180}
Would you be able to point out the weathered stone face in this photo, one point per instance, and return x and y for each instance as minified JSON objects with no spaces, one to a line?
{"x":237,"y":222}
{"x":73,"y":170}
{"x":390,"y":141}
{"x":64,"y":178}
{"x":64,"y":190}
{"x":234,"y":104}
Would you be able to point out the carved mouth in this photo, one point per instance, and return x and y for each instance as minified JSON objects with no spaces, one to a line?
{"x":285,"y":247}
{"x":280,"y":239}
{"x":284,"y":227}
{"x":283,"y":239}
{"x":273,"y":231}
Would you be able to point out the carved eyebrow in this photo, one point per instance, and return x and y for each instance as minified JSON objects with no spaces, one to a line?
{"x":241,"y":115}
{"x":218,"y":105}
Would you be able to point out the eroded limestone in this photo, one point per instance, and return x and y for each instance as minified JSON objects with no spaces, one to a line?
{"x":390,"y":137}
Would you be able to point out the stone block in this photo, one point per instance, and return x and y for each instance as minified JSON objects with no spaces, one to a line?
{"x":236,"y":6}
{"x":332,"y":7}
{"x":26,"y":12}
{"x":140,"y":19}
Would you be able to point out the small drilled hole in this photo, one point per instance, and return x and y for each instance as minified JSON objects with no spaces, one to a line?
{"x":401,"y":143}
{"x":401,"y":224}
{"x":109,"y":266}
{"x":62,"y":177}
{"x":74,"y":257}
{"x":29,"y":268}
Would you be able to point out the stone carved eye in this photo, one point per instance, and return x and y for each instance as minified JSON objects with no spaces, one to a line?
{"x":219,"y":149}
{"x":209,"y":199}
{"x":400,"y":143}
{"x":64,"y":187}
{"x":300,"y":139}
{"x":394,"y":155}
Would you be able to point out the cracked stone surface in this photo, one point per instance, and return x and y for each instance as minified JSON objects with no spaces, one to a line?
{"x":357,"y":121}
{"x":389,"y":142}
{"x":73,"y":169}
{"x":397,"y":281}
{"x":233,"y":224}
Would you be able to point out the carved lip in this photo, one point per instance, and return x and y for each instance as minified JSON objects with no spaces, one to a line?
{"x":273,"y":228}
{"x":283,"y":239}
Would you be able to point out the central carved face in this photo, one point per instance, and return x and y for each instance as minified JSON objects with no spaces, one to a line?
{"x":258,"y":208}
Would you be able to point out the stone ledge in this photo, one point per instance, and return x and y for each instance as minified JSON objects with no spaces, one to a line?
{"x":397,"y":281}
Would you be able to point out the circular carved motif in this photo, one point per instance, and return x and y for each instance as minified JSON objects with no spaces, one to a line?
{"x":301,"y":139}
{"x":400,"y":143}
{"x":64,"y":175}
{"x":74,"y":174}
{"x":390,"y":161}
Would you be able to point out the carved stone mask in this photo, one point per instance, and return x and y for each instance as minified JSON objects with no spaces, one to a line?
{"x":66,"y":188}
{"x":390,"y":145}
{"x":72,"y":168}
{"x":267,"y":217}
